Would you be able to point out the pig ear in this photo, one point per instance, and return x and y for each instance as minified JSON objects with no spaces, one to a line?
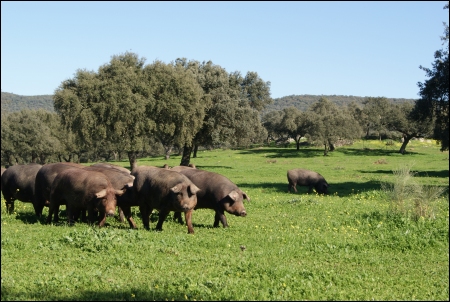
{"x":101,"y":194}
{"x":234,"y":195}
{"x":194,"y":189}
{"x":245,"y":196}
{"x":119,"y":192}
{"x":176,"y":189}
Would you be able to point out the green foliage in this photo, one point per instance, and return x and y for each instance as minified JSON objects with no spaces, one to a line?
{"x":30,"y":136}
{"x":347,"y":245}
{"x":11,"y":102}
{"x":434,"y":93}
{"x":304,"y":101}
{"x":331,"y":124}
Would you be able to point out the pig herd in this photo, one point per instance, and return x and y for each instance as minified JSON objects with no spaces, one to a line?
{"x":92,"y":193}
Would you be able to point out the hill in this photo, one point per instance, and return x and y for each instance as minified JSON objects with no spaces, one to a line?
{"x":11,"y":102}
{"x":303,"y":101}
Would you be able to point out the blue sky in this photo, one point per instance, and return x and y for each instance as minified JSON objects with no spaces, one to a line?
{"x":342,"y":48}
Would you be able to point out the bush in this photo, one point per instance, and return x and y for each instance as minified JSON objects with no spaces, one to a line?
{"x":408,"y":197}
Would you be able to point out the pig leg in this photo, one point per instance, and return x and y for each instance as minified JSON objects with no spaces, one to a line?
{"x":177,"y":217}
{"x":188,"y":218}
{"x":162,"y":216}
{"x":127,"y":213}
{"x":121,"y":214}
{"x":220,"y":216}
{"x":10,"y":207}
{"x":50,"y":214}
{"x":145,"y":213}
{"x":70,"y":215}
{"x":101,"y":219}
{"x":91,"y":215}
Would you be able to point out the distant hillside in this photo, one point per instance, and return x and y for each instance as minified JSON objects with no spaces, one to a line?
{"x":12,"y":102}
{"x":303,"y":101}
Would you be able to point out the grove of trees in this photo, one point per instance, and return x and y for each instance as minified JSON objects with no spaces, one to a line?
{"x":128,"y":107}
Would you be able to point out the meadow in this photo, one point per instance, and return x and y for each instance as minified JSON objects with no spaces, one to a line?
{"x":347,"y":245}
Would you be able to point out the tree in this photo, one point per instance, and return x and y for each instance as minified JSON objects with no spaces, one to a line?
{"x":375,"y":113}
{"x":256,"y":91}
{"x":296,"y":124}
{"x":272,"y":122}
{"x":401,"y":119}
{"x":331,"y":124}
{"x":27,"y":137}
{"x":179,"y":107}
{"x":434,"y":93}
{"x":230,"y":117}
{"x":114,"y":104}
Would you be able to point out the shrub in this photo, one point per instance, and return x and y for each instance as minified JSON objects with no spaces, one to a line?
{"x":408,"y":197}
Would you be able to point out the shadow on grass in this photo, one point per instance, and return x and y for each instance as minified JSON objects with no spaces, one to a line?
{"x":285,"y":153}
{"x":309,"y":152}
{"x":131,"y":294}
{"x":341,"y":189}
{"x":439,"y":174}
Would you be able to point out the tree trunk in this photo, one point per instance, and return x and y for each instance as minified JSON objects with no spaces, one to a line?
{"x":187,"y":150}
{"x":406,"y":140}
{"x":168,"y":150}
{"x":297,"y":142}
{"x":195,"y":151}
{"x":325,"y":152}
{"x":133,"y":160}
{"x":331,"y":146}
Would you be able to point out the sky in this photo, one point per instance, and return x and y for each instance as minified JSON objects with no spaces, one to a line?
{"x":316,"y":48}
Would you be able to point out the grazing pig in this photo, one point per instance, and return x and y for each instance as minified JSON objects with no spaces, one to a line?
{"x":120,"y":180}
{"x":105,"y":165}
{"x":18,"y":183}
{"x":43,"y":183}
{"x":217,"y":193}
{"x":82,"y":190}
{"x":303,"y":177}
{"x":165,"y":190}
{"x":3,"y":170}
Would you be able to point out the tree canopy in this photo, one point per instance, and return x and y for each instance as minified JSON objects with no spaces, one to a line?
{"x":434,"y":93}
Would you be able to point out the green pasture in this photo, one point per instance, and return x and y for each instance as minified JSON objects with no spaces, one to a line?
{"x":348,"y":245}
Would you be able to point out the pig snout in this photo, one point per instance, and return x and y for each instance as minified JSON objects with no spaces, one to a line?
{"x":243,"y":213}
{"x":110,"y":213}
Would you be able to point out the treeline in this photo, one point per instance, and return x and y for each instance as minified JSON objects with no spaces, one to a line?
{"x":304,"y":101}
{"x":127,"y":106}
{"x":12,"y":102}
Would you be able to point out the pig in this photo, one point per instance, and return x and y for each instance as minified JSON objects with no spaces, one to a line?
{"x":165,"y":190}
{"x":18,"y":183}
{"x":106,"y":165}
{"x":43,"y":184}
{"x":82,"y":190}
{"x":120,"y":180}
{"x":303,"y":177}
{"x":3,"y":170}
{"x":217,"y":193}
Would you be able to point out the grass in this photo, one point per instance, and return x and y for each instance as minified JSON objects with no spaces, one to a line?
{"x":348,"y":245}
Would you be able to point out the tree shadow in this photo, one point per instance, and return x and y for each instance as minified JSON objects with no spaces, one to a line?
{"x":212,"y":167}
{"x":286,"y":153}
{"x":135,"y":294}
{"x":373,"y":152}
{"x":437,"y":174}
{"x":341,"y":189}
